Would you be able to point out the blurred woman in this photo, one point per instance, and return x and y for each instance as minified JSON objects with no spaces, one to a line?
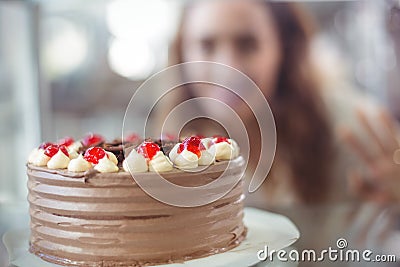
{"x":270,"y":42}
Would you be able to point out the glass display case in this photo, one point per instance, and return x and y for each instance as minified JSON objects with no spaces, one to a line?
{"x":22,"y":102}
{"x":21,"y":105}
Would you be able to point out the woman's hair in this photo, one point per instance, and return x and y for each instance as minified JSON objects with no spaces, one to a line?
{"x":303,"y":130}
{"x":302,"y":124}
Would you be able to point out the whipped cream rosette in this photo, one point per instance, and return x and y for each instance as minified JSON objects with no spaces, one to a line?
{"x":195,"y":151}
{"x":60,"y":160}
{"x":186,"y":155}
{"x":38,"y":158}
{"x":106,"y":165}
{"x":147,"y":156}
{"x":160,"y":163}
{"x":73,"y":149}
{"x":186,"y":159}
{"x":102,"y":160}
{"x":225,"y":148}
{"x":65,"y":155}
{"x":51,"y":155}
{"x":34,"y":155}
{"x":79,"y":164}
{"x":75,"y":146}
{"x":135,"y":162}
{"x":112,"y":157}
{"x":192,"y":152}
{"x":72,"y":146}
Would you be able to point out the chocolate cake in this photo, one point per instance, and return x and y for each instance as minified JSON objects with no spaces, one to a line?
{"x":84,"y":214}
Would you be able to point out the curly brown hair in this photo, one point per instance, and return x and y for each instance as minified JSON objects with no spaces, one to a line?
{"x":302,"y":124}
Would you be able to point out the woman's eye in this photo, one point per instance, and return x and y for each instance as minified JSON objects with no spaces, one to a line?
{"x":246,"y":44}
{"x":207,"y":46}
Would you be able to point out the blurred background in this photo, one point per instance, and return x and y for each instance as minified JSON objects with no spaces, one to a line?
{"x":70,"y":67}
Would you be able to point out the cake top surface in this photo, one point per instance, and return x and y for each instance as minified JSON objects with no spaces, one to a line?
{"x":94,"y":154}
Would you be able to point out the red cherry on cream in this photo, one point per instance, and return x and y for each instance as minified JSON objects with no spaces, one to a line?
{"x":66,"y":141}
{"x":148,"y":149}
{"x":192,"y":144}
{"x":94,"y":154}
{"x":52,"y":149}
{"x":45,"y":145}
{"x":221,"y":139}
{"x":92,"y":139}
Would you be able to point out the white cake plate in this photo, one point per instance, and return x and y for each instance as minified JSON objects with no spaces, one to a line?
{"x":264,"y":229}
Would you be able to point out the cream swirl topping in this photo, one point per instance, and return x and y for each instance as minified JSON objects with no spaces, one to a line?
{"x":135,"y":162}
{"x":106,"y":165}
{"x":160,"y":163}
{"x":75,"y":146}
{"x":58,"y":161}
{"x":33,"y":155}
{"x":186,"y":160}
{"x":73,"y":149}
{"x":207,"y":157}
{"x":226,"y":150}
{"x":112,"y":157}
{"x":72,"y":154}
{"x":79,"y":164}
{"x":174,"y":152}
{"x":207,"y":142}
{"x":38,"y":158}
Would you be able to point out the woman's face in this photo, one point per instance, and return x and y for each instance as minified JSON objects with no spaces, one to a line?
{"x":238,"y":33}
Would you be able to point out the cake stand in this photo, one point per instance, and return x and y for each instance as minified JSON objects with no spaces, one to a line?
{"x":264,"y":229}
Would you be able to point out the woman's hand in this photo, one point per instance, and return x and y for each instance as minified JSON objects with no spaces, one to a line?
{"x":381,"y":183}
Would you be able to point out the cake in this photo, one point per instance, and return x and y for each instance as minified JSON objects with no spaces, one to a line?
{"x":87,"y":210}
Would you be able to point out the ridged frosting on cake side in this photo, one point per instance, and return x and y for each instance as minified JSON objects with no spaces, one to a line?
{"x":105,"y":219}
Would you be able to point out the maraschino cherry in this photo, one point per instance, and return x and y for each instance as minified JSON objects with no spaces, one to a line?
{"x":220,"y":139}
{"x":94,"y":154}
{"x":45,"y":145}
{"x":92,"y":140}
{"x":148,"y":149}
{"x":66,"y":141}
{"x":52,"y":149}
{"x":192,"y":144}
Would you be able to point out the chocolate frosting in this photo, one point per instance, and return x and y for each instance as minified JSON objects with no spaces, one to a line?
{"x":105,"y":219}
